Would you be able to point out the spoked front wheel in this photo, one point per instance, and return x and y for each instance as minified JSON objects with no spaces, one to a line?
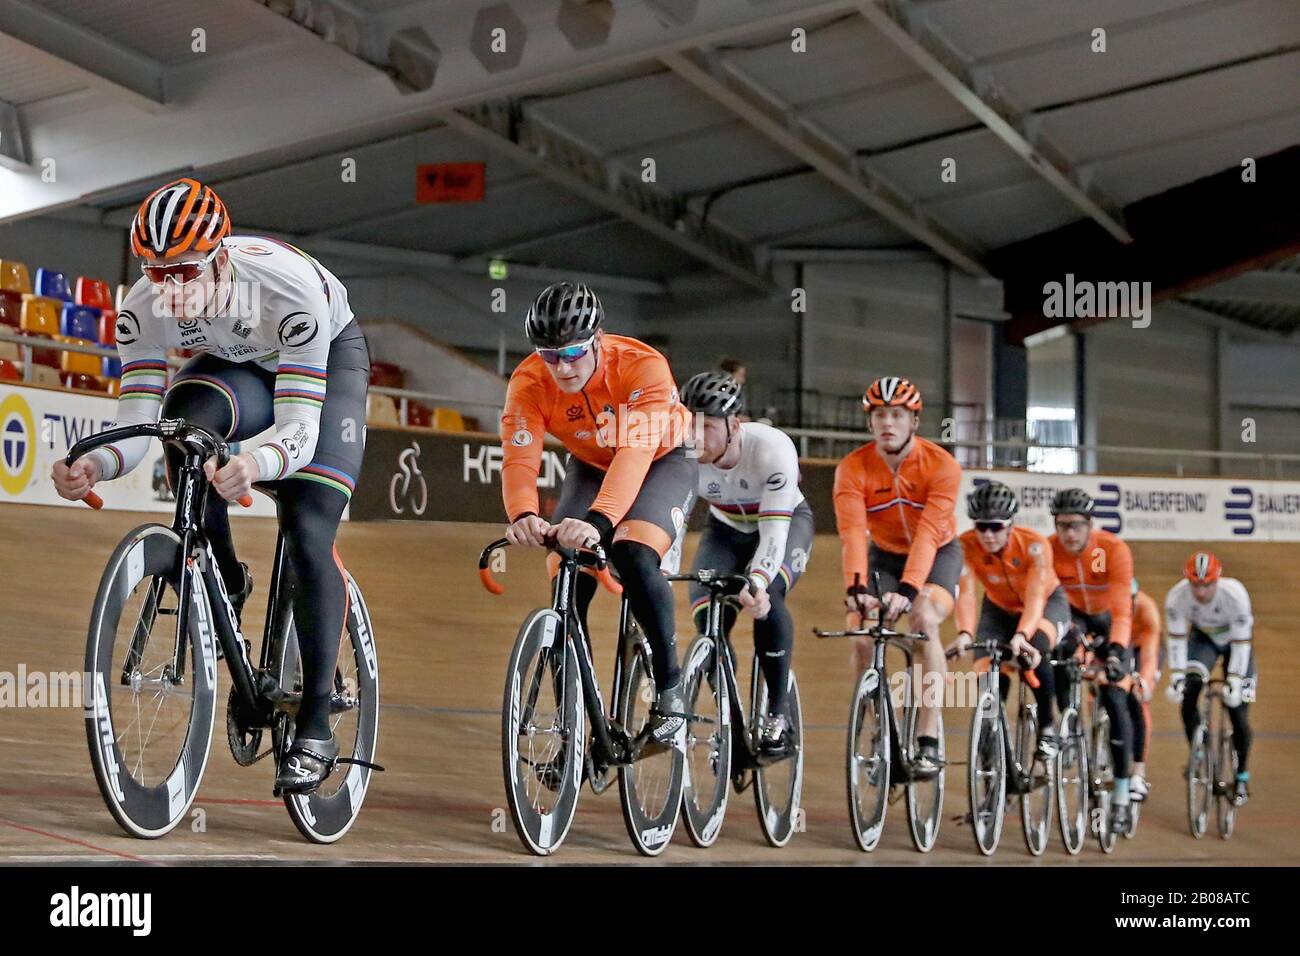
{"x":1225,"y":778}
{"x":1200,"y":784}
{"x":987,"y":774}
{"x":1072,"y":781}
{"x":1036,"y":792}
{"x":868,"y":759}
{"x":542,"y":733}
{"x":925,"y":797}
{"x":778,"y":786}
{"x":326,"y":814}
{"x":1103,"y":782}
{"x":151,"y":690}
{"x":651,"y":786}
{"x":708,"y":744}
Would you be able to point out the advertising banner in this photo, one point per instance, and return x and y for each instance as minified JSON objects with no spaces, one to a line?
{"x":432,"y":476}
{"x":38,"y":426}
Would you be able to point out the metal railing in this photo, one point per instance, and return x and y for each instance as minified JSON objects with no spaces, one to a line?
{"x":834,"y":444}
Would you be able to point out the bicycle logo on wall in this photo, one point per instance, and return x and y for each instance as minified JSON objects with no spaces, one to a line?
{"x":402,"y":491}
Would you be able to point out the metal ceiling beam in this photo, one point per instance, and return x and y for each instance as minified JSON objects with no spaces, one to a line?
{"x":976,"y":92}
{"x":13,"y":147}
{"x":764,"y":112}
{"x":418,"y":262}
{"x":513,"y":244}
{"x":559,"y":158}
{"x":1258,"y":288}
{"x":101,"y":61}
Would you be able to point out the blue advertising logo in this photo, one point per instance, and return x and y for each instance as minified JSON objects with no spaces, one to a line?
{"x":1106,"y":507}
{"x":1236,"y":511}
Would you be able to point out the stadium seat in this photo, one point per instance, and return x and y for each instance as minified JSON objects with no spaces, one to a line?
{"x":11,"y":309}
{"x":9,"y":372}
{"x":111,"y":367}
{"x":387,"y":375}
{"x":10,"y":351}
{"x":448,"y":420}
{"x":40,"y":316}
{"x":113,"y":386}
{"x":80,"y":322}
{"x":53,"y":285}
{"x":14,"y":277}
{"x":80,"y":363}
{"x":419,"y":416}
{"x":381,"y":410}
{"x":81,"y":382}
{"x":94,"y":293}
{"x":42,"y":353}
{"x":108,"y":327}
{"x":46,"y":376}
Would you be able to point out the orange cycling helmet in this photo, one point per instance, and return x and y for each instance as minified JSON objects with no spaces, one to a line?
{"x":1202,"y":568}
{"x":892,"y":391}
{"x":183,"y":216}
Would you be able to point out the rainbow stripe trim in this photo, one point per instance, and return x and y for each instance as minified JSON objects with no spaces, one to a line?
{"x":117,"y":458}
{"x":221,"y":387}
{"x":284,"y":460}
{"x":144,"y":379}
{"x":300,"y":385}
{"x":329,"y":477}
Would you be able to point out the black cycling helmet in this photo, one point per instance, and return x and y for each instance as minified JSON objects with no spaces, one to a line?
{"x":564,"y":313}
{"x":715,"y":394}
{"x":1072,"y":501}
{"x":992,"y":501}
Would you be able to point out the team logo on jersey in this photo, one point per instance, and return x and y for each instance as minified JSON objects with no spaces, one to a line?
{"x":254,"y":250}
{"x":291,"y":447}
{"x":582,"y":435}
{"x":522,"y":438}
{"x":240,"y":329}
{"x":298,"y":329}
{"x":713,"y":488}
{"x":775,"y":482}
{"x":127,"y":328}
{"x":573,"y":412}
{"x":744,"y":484}
{"x":635,"y":394}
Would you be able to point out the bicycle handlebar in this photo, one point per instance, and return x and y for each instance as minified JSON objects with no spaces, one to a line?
{"x":876,"y":632}
{"x":1004,"y":653}
{"x":171,"y":431}
{"x":713,"y":579}
{"x":591,"y":558}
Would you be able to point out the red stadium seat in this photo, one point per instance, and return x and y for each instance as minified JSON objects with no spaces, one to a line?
{"x":9,"y":372}
{"x":11,"y":309}
{"x":82,"y":383}
{"x":94,"y":293}
{"x":108,"y":327}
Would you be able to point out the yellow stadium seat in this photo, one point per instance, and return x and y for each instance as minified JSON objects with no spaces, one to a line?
{"x":80,"y":363}
{"x":40,"y":315}
{"x":14,"y":276}
{"x":448,"y":420}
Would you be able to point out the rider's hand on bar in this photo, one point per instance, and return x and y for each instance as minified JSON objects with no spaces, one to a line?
{"x":235,"y":480}
{"x":74,"y":481}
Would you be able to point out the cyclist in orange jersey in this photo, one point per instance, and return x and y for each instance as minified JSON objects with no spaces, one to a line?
{"x":899,"y":493}
{"x":1146,"y":651}
{"x":629,"y":483}
{"x":1023,"y":601}
{"x":1096,"y":570}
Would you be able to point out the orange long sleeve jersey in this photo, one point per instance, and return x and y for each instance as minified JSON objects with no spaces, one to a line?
{"x":911,"y":511}
{"x":626,"y":417}
{"x":1146,"y":635}
{"x":1018,"y":579}
{"x":1099,"y":578}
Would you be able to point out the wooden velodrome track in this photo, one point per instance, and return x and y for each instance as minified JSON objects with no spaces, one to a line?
{"x":443,"y":643}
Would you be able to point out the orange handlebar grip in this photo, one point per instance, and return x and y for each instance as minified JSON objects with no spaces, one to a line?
{"x":489,"y":582}
{"x":93,"y":500}
{"x":607,"y":579}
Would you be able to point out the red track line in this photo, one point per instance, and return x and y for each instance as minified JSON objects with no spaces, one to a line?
{"x":75,"y":842}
